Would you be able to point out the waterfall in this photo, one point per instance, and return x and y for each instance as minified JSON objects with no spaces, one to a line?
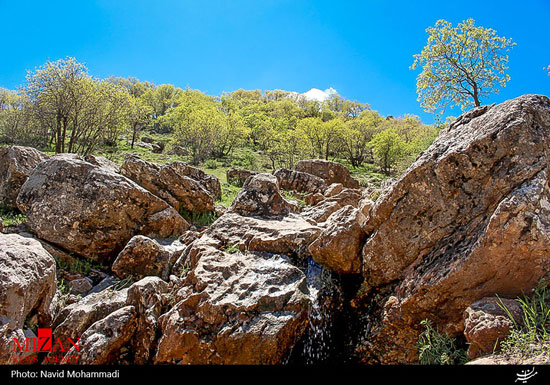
{"x":318,"y":341}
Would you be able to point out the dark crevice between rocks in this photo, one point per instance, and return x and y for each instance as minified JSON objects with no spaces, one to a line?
{"x":333,"y":322}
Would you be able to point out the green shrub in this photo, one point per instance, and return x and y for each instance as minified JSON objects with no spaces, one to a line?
{"x":531,"y":338}
{"x":435,"y":348}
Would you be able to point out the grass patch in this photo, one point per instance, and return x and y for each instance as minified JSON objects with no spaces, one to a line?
{"x":435,"y":348}
{"x":199,"y":219}
{"x":11,"y":218}
{"x":531,"y":338}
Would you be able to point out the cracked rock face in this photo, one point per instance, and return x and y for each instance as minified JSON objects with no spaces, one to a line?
{"x":469,"y":219}
{"x":28,"y":284}
{"x":182,"y":186}
{"x":238,"y":308}
{"x":90,"y":210}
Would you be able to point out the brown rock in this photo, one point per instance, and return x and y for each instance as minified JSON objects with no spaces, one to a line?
{"x":142,"y":257}
{"x":299,"y":181}
{"x":330,"y":172}
{"x":170,"y":183}
{"x":101,"y":342}
{"x":313,"y":199}
{"x":16,"y":163}
{"x":28,"y":284}
{"x":334,"y":189}
{"x":238,"y":176}
{"x":99,"y":210}
{"x":467,"y":221}
{"x":289,"y":235}
{"x":339,"y":246}
{"x":234,"y":309}
{"x":260,"y":196}
{"x":101,"y":161}
{"x":325,"y":208}
{"x":487,"y":324}
{"x":27,"y":274}
{"x":148,"y":296}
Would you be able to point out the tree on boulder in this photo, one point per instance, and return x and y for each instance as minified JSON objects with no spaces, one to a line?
{"x":460,"y":65}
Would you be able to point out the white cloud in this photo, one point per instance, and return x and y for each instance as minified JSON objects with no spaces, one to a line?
{"x":319,"y":95}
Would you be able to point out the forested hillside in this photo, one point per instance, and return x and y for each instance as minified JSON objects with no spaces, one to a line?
{"x":61,"y":107}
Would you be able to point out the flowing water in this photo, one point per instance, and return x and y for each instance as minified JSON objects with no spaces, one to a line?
{"x":318,"y":343}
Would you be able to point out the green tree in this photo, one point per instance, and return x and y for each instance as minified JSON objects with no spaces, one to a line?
{"x":357,"y":134}
{"x":388,"y":147}
{"x":460,"y":65}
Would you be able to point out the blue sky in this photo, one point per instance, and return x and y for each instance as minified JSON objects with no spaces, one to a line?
{"x":361,"y":48}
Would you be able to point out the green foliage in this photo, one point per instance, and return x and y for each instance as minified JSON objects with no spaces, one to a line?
{"x":388,"y":146}
{"x":460,"y":65}
{"x":10,"y":218}
{"x":435,"y":348}
{"x":531,"y":338}
{"x":199,"y":219}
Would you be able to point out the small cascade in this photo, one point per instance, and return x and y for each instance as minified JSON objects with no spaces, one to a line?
{"x":318,"y":343}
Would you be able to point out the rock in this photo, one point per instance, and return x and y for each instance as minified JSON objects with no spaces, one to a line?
{"x":148,"y":296}
{"x":141,"y":257}
{"x":28,"y":285}
{"x":101,"y":342}
{"x":260,"y":196}
{"x":148,"y":146}
{"x":90,"y":210}
{"x":325,"y":208}
{"x":1,"y":225}
{"x":28,"y":282}
{"x":234,"y":309}
{"x":338,"y":247}
{"x":238,"y":176}
{"x":104,"y":284}
{"x":468,"y":220}
{"x":75,"y":319}
{"x":157,"y":148}
{"x":16,"y":163}
{"x":300,"y":181}
{"x":290,"y":235}
{"x":330,"y":172}
{"x":487,"y":324}
{"x":313,"y":199}
{"x":178,"y":150}
{"x":80,"y":286}
{"x":172,"y":183}
{"x":334,"y":189}
{"x":101,"y":161}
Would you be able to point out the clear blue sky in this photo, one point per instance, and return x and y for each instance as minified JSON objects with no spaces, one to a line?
{"x":361,"y":48}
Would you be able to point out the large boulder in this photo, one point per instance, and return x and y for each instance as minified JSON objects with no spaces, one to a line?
{"x":90,"y":210}
{"x":261,"y":219}
{"x":27,"y":276}
{"x":300,"y":181}
{"x":234,"y":308}
{"x":182,"y":186}
{"x":330,"y":172}
{"x":27,"y":287}
{"x":16,"y":163}
{"x":469,"y":219}
{"x":261,"y":197}
{"x":290,"y":235}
